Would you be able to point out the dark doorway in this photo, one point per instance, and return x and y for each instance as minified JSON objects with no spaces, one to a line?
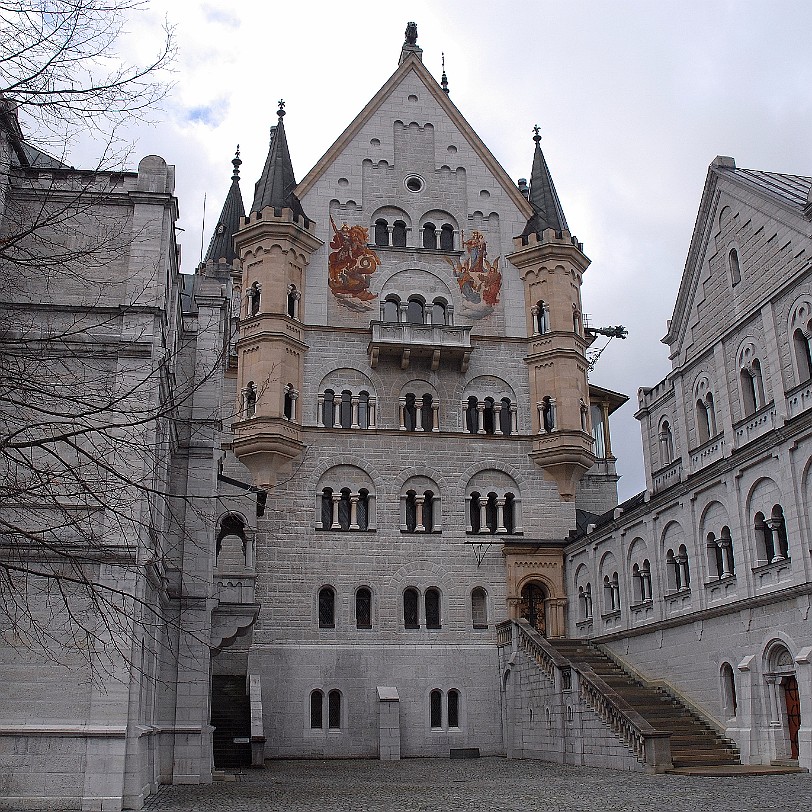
{"x":793,"y":703}
{"x":231,"y":719}
{"x":532,"y":607}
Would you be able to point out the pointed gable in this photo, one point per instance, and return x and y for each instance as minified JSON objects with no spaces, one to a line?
{"x":412,"y":64}
{"x":750,"y":224}
{"x":543,"y":197}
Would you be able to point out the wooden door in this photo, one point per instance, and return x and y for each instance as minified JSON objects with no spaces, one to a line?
{"x":793,"y":703}
{"x":533,"y":597}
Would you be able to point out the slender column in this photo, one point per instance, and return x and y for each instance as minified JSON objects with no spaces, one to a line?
{"x":773,"y":527}
{"x":615,"y":595}
{"x":354,"y":497}
{"x":449,"y":315}
{"x":403,"y":307}
{"x":389,"y":230}
{"x":480,"y":417}
{"x":355,"y":423}
{"x":436,"y":513}
{"x":514,"y":418}
{"x":403,"y":414}
{"x":336,"y":413}
{"x":403,"y":509}
{"x":468,"y":526}
{"x":727,"y":564}
{"x":483,"y":516}
{"x":500,"y":515}
{"x":336,"y":525}
{"x":438,"y":236}
{"x":465,"y":415}
{"x":497,"y":414}
{"x":372,"y":405}
{"x":534,"y":313}
{"x":605,"y":420}
{"x":428,"y":318}
{"x":418,"y":509}
{"x":418,"y":415}
{"x":294,"y":396}
{"x":540,"y":407}
{"x":682,"y":563}
{"x":297,"y":297}
{"x":435,"y":416}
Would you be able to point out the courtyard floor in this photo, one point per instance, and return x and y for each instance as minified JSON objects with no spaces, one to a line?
{"x":480,"y":785}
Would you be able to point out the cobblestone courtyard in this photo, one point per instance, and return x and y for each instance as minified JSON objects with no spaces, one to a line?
{"x":480,"y":785}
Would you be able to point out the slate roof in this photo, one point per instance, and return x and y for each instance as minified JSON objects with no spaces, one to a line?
{"x":277,"y":182}
{"x":222,"y":242}
{"x":543,"y":197}
{"x":791,"y":190}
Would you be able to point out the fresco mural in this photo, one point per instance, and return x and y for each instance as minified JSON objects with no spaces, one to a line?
{"x":351,"y":263}
{"x":480,"y":280}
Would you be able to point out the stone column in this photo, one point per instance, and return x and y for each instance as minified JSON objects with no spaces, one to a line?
{"x":682,"y":563}
{"x":483,"y":516}
{"x":355,"y":423}
{"x":534,"y":312}
{"x":435,"y":416}
{"x":402,"y":414}
{"x":320,"y":410}
{"x":418,"y":509}
{"x":336,"y":525}
{"x":372,"y":405}
{"x":480,"y":416}
{"x":354,"y":497}
{"x":500,"y":515}
{"x":514,"y":419}
{"x":336,"y":412}
{"x":497,"y":414}
{"x":294,"y":396}
{"x":727,"y":563}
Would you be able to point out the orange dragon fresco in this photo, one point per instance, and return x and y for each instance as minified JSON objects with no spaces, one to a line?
{"x":351,"y":263}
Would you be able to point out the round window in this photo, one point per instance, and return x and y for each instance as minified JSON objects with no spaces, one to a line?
{"x":414,"y":183}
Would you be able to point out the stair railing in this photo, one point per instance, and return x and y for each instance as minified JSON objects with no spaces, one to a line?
{"x":650,"y":746}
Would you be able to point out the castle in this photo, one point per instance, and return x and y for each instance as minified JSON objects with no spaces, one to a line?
{"x":381,"y":518}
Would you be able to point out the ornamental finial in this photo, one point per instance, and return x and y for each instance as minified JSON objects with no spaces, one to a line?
{"x":236,"y":163}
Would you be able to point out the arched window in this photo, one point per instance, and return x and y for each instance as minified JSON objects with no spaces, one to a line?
{"x":672,"y":571}
{"x":453,"y":699}
{"x":704,"y":420}
{"x":399,"y":234}
{"x":432,"y":604}
{"x":328,"y":408}
{"x":427,"y":413}
{"x":585,"y":602}
{"x":752,"y":386}
{"x":733,"y":264}
{"x":666,"y":444}
{"x":381,"y":233}
{"x":479,"y":608}
{"x":611,"y":593}
{"x":509,"y":513}
{"x":345,"y":412}
{"x":344,"y":509}
{"x":363,"y":608}
{"x":447,"y":238}
{"x":803,"y":355}
{"x":290,"y":402}
{"x":730,"y":706}
{"x":363,"y":410}
{"x":764,"y":539}
{"x":254,"y":295}
{"x":541,"y":318}
{"x":334,"y":710}
{"x":645,"y":575}
{"x":487,"y":417}
{"x":327,"y":608}
{"x":439,"y":312}
{"x":293,"y":301}
{"x":429,"y":236}
{"x":361,"y":511}
{"x":316,"y":710}
{"x":475,"y":513}
{"x":250,"y":395}
{"x":725,"y":543}
{"x":683,"y":571}
{"x":419,"y":512}
{"x":391,"y":309}
{"x":436,"y":709}
{"x":410,"y":608}
{"x":472,"y":416}
{"x":491,"y":513}
{"x":637,"y":584}
{"x":414,"y":311}
{"x":505,"y":417}
{"x":547,"y":414}
{"x":410,"y":412}
{"x":715,"y":562}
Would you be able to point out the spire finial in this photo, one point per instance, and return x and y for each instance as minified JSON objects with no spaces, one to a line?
{"x":536,"y":137}
{"x":444,"y":78}
{"x":236,"y":163}
{"x":281,"y":111}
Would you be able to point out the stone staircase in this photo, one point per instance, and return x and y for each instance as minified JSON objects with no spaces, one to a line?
{"x":693,"y":742}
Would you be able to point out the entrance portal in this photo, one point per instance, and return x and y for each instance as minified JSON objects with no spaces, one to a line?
{"x":532,"y":606}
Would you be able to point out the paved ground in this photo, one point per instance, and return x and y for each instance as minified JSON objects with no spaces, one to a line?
{"x":480,"y":785}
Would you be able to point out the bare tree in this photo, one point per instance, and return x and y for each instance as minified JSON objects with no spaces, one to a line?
{"x":96,"y":389}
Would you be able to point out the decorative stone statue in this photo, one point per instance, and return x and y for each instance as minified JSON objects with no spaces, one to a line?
{"x":411,"y":34}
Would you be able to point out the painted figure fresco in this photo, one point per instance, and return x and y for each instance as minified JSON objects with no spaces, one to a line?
{"x":351,"y":264}
{"x":480,"y":281}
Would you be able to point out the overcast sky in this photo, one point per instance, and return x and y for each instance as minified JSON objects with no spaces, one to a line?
{"x":634,"y":100}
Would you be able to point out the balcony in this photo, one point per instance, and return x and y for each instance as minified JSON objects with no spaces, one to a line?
{"x":407,"y":342}
{"x":799,"y":399}
{"x":754,"y":426}
{"x":668,"y":476}
{"x":710,"y":452}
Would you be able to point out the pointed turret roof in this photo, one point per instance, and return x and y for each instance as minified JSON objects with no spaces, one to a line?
{"x":546,"y":205}
{"x":277,"y":182}
{"x":222,"y":242}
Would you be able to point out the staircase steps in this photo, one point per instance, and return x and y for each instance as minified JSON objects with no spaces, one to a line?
{"x":694,"y":744}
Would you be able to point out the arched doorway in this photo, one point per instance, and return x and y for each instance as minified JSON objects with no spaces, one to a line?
{"x":785,"y":705}
{"x":532,"y":606}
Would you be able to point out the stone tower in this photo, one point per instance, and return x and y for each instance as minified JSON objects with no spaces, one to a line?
{"x":274,"y":243}
{"x":551,"y":263}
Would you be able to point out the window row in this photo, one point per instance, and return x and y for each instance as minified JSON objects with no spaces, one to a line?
{"x":418,"y":610}
{"x":345,"y":510}
{"x":253,"y":301}
{"x":249,"y":401}
{"x":325,"y":709}
{"x":417,"y":310}
{"x":772,"y":547}
{"x":433,"y":237}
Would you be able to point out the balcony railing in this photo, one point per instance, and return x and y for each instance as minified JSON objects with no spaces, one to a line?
{"x":709,"y":452}
{"x":799,"y":399}
{"x":755,"y":425}
{"x":407,"y":342}
{"x":668,"y":476}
